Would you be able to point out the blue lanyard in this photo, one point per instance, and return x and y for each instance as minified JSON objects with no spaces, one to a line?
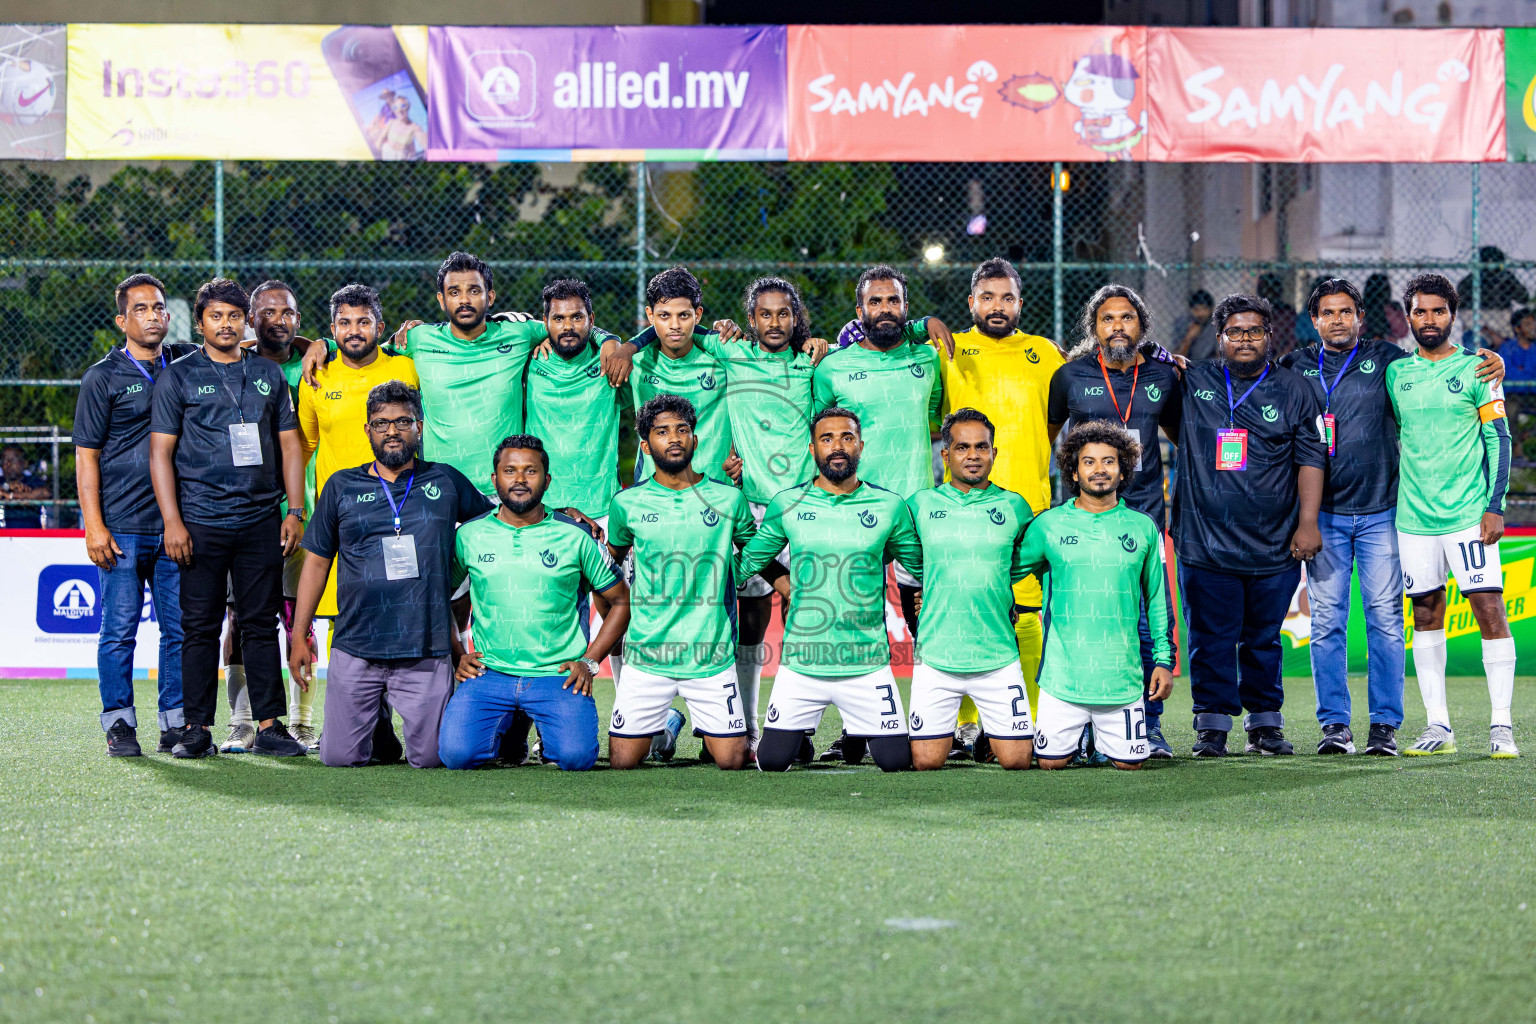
{"x":1231,"y":405}
{"x":1328,"y":390}
{"x":140,"y":366}
{"x":224,"y":383}
{"x":391,"y":498}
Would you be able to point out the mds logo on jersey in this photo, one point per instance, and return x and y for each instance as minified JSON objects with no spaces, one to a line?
{"x":67,"y":601}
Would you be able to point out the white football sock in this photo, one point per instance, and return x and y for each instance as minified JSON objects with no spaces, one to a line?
{"x":616,"y":663}
{"x":749,"y":677}
{"x":1429,"y":665}
{"x":1499,"y":665}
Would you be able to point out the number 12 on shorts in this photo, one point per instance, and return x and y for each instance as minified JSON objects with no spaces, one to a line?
{"x":1138,"y":730}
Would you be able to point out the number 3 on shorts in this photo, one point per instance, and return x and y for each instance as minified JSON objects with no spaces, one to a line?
{"x":890,"y":701}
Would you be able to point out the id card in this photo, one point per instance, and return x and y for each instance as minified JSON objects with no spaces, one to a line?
{"x":245,"y":444}
{"x":1136,"y":436}
{"x":1232,"y":449}
{"x":1330,"y":434}
{"x":400,"y":557}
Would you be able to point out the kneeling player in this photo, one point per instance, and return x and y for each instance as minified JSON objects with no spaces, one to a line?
{"x":841,"y":533}
{"x":1106,"y":565}
{"x":971,"y":530}
{"x":685,"y":531}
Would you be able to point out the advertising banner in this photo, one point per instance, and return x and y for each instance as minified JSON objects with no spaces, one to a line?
{"x":32,"y":92}
{"x":1520,"y":92}
{"x":258,"y":92}
{"x":973,"y":92}
{"x":623,"y":93}
{"x":1337,"y":95}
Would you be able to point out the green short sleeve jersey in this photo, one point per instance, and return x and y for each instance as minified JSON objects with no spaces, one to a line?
{"x":895,"y":394}
{"x":1104,"y":567}
{"x":838,"y":547}
{"x":1446,"y":480}
{"x":528,"y":586}
{"x":768,"y":397}
{"x":472,"y":391}
{"x":970,"y":562}
{"x":698,"y":377}
{"x":573,"y":409}
{"x":683,"y":602}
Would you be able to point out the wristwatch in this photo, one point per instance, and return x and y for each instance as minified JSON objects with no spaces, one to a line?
{"x":592,"y":666}
{"x":297,"y":513}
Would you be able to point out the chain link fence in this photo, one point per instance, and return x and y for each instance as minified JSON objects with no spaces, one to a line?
{"x":70,"y":231}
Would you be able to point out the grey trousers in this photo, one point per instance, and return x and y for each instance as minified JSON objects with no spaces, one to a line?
{"x":354,"y":689}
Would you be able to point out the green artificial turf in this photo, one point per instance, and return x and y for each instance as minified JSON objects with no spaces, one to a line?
{"x":246,"y":889}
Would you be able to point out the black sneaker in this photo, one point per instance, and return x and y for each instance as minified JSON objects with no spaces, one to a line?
{"x":122,"y":741}
{"x":512,"y":751}
{"x":847,"y":749}
{"x":807,"y":752}
{"x":276,"y":741}
{"x":170,"y":737}
{"x":981,"y":750}
{"x":1269,"y":741}
{"x":387,"y":748}
{"x":1210,"y":743}
{"x":196,"y":741}
{"x":1382,"y":741}
{"x":835,"y":751}
{"x":1337,"y":739}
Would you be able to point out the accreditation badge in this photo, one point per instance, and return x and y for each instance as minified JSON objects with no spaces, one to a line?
{"x":1232,"y":448}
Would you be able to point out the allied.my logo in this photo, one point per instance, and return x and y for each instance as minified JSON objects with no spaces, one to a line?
{"x":868,"y":520}
{"x":1271,"y":414}
{"x":548,"y":558}
{"x":263,"y":387}
{"x":67,"y":601}
{"x":432,"y":491}
{"x":502,"y":86}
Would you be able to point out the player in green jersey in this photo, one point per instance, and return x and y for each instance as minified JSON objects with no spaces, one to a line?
{"x":685,"y":530}
{"x":1453,"y":475}
{"x":1105,"y":561}
{"x":971,"y":530}
{"x":841,"y":532}
{"x":530,"y":571}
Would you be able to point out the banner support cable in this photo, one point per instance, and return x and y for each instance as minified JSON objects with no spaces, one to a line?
{"x":1477,"y":255}
{"x":218,"y":218}
{"x":640,"y":243}
{"x":1056,"y":249}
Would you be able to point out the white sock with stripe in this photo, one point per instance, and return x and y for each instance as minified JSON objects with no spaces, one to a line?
{"x":1429,"y":666}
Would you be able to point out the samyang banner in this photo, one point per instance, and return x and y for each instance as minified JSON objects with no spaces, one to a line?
{"x":622,"y":93}
{"x":968,"y":92}
{"x":257,"y":92}
{"x":1335,"y":95}
{"x":1520,"y":92}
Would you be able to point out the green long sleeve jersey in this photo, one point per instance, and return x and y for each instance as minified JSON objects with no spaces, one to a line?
{"x":896,"y":394}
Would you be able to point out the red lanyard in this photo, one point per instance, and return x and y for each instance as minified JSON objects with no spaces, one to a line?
{"x":1125,"y":417}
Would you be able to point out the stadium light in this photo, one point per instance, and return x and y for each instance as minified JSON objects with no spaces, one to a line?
{"x":934,"y":253}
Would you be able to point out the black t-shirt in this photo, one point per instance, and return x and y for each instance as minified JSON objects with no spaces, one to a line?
{"x":1078,"y":395}
{"x":197,"y":399}
{"x":1362,"y":475}
{"x":112,"y":416}
{"x":379,"y":618}
{"x":1241,"y":521}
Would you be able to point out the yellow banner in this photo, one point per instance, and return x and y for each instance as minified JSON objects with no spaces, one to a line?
{"x":256,"y":92}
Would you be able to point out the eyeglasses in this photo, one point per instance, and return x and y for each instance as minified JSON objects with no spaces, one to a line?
{"x":1245,"y":333}
{"x":405,"y":424}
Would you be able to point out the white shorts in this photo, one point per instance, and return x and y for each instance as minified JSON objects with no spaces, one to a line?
{"x":756,"y":586}
{"x":999,"y":695}
{"x":642,"y":699}
{"x":870,"y":704}
{"x":1428,"y":561}
{"x":1119,"y":731}
{"x":904,"y":578}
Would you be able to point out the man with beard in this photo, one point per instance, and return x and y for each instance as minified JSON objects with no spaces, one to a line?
{"x":1106,"y":566}
{"x":841,"y":531}
{"x":1357,"y":517}
{"x":388,"y":527}
{"x":1251,"y":460}
{"x":530,"y":571}
{"x":1450,"y":514}
{"x":1107,"y":379}
{"x":685,"y":530}
{"x":970,"y":530}
{"x":221,"y":429}
{"x":122,"y":522}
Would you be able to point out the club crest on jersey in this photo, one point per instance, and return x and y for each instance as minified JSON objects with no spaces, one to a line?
{"x":773,"y":713}
{"x":1408,"y":583}
{"x":594,"y":370}
{"x":996,"y":515}
{"x":917,"y":370}
{"x":548,"y":558}
{"x":707,"y":381}
{"x":868,"y":520}
{"x":432,"y":491}
{"x":505,"y":347}
{"x":1454,"y":385}
{"x":1128,"y":542}
{"x":711,"y":517}
{"x":263,"y":387}
{"x":1369,"y":366}
{"x":1270,"y":413}
{"x":1154,"y":392}
{"x":917,"y":721}
{"x":1031,"y":355}
{"x":618,"y":720}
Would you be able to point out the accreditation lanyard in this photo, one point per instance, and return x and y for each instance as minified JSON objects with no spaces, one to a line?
{"x":1125,"y":417}
{"x":399,"y":551}
{"x":1232,"y":443}
{"x":244,"y":438}
{"x":1330,"y":427}
{"x":140,"y":366}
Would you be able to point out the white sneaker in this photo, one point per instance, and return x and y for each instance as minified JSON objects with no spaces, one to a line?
{"x":1501,"y":739}
{"x":306,"y":735}
{"x":242,"y":736}
{"x":1435,"y":739}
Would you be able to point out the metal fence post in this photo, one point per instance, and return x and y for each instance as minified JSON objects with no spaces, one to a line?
{"x":640,"y":243}
{"x":218,"y":218}
{"x":1056,"y":247}
{"x":1477,"y":256}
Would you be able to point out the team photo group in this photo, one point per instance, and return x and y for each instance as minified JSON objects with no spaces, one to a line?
{"x":449,"y":496}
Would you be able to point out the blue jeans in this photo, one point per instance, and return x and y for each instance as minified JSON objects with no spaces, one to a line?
{"x":481,"y":710}
{"x":122,"y":608}
{"x":1368,"y":544}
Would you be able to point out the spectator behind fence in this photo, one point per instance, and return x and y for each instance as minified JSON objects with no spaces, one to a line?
{"x":1194,"y":336}
{"x":20,"y":484}
{"x":1519,"y":352}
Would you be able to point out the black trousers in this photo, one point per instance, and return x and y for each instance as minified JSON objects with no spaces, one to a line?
{"x":253,"y":555}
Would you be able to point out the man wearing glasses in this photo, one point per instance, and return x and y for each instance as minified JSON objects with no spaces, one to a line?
{"x":1251,"y":458}
{"x":390,"y":523}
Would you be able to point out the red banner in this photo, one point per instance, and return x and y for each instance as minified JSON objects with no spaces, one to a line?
{"x":1336,"y":95}
{"x":977,"y":92}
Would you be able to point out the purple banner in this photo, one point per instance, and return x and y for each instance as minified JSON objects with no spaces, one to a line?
{"x":629,"y":92}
